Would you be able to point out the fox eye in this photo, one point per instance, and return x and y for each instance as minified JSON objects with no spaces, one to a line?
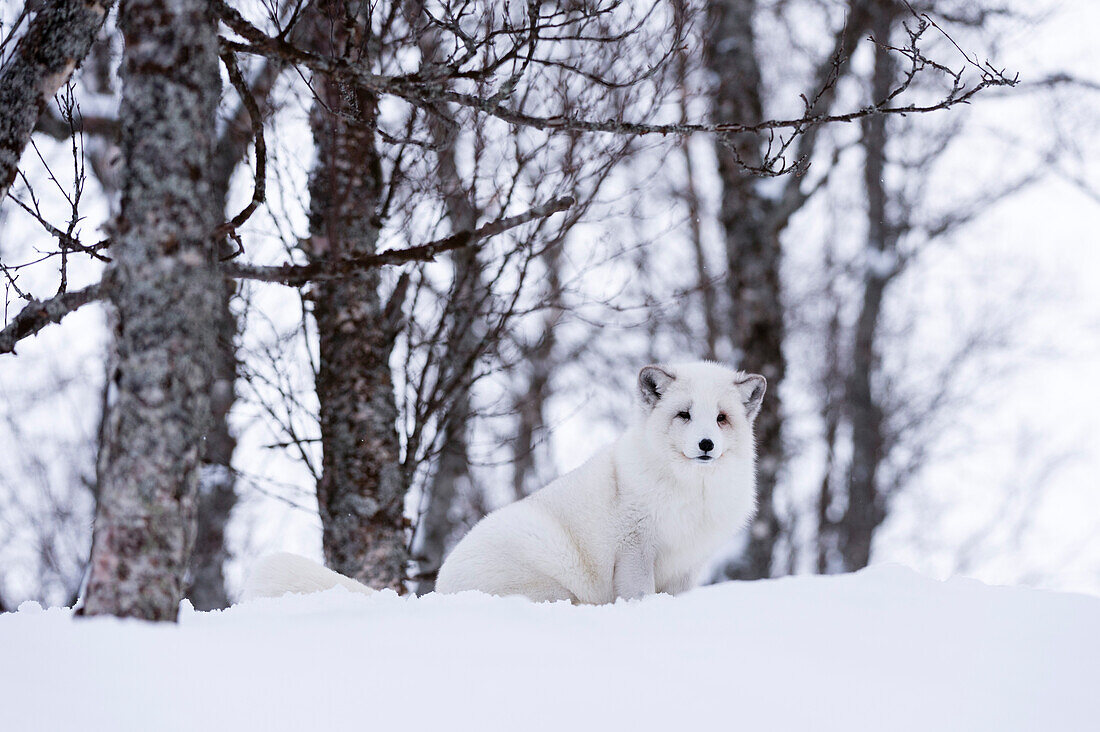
{"x":722,"y":419}
{"x":684,"y":415}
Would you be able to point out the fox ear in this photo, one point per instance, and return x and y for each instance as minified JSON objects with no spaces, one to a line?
{"x":652,"y":383}
{"x":752,"y":388}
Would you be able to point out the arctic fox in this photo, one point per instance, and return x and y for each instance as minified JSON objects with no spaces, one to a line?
{"x":643,"y":515}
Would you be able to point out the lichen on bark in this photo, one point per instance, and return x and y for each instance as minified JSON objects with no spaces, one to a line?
{"x":165,"y":293}
{"x":361,"y":492}
{"x":56,"y":41}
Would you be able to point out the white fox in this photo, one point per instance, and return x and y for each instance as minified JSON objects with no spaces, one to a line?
{"x":644,"y":515}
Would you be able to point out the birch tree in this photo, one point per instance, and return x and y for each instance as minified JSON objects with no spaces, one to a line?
{"x":360,"y":493}
{"x":165,"y":289}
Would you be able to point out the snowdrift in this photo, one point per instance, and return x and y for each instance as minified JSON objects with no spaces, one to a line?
{"x":885,"y":649}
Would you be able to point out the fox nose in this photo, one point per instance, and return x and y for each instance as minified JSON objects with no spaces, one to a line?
{"x":706,"y":445}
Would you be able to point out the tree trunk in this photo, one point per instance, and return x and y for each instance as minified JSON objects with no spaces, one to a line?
{"x":464,"y":336}
{"x":752,"y":221}
{"x":452,"y":475}
{"x":531,"y":405}
{"x":55,"y":43}
{"x":217,"y":483}
{"x":865,"y":510}
{"x":165,"y":289}
{"x":464,"y":343}
{"x":832,"y":395}
{"x":361,"y":492}
{"x":753,"y":258}
{"x":217,"y":487}
{"x":531,"y":409}
{"x":217,"y":493}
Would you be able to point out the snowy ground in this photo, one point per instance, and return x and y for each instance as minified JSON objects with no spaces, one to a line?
{"x":885,"y":649}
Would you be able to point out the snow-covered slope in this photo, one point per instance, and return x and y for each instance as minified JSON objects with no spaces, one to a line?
{"x":885,"y":649}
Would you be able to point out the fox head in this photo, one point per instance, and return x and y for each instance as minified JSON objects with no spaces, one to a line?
{"x":700,"y":412}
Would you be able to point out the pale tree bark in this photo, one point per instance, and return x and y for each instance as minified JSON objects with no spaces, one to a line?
{"x":217,"y":496}
{"x":752,"y":221}
{"x":865,"y":509}
{"x":361,"y":492}
{"x":165,"y":289}
{"x":55,"y":43}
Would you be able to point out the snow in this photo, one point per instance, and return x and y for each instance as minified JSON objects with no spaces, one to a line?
{"x":884,"y":649}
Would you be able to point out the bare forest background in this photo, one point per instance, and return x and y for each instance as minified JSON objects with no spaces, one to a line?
{"x":340,"y":278}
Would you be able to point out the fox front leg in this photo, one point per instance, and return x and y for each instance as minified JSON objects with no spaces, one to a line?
{"x":634,"y":571}
{"x":681,"y":583}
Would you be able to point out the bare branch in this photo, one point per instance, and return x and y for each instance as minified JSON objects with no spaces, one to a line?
{"x":37,"y":314}
{"x":50,"y":123}
{"x":259,"y":191}
{"x":420,"y":95}
{"x":420,"y":91}
{"x":66,"y":241}
{"x":299,"y":274}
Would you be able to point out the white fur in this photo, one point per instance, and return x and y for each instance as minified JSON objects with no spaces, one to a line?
{"x":644,"y":515}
